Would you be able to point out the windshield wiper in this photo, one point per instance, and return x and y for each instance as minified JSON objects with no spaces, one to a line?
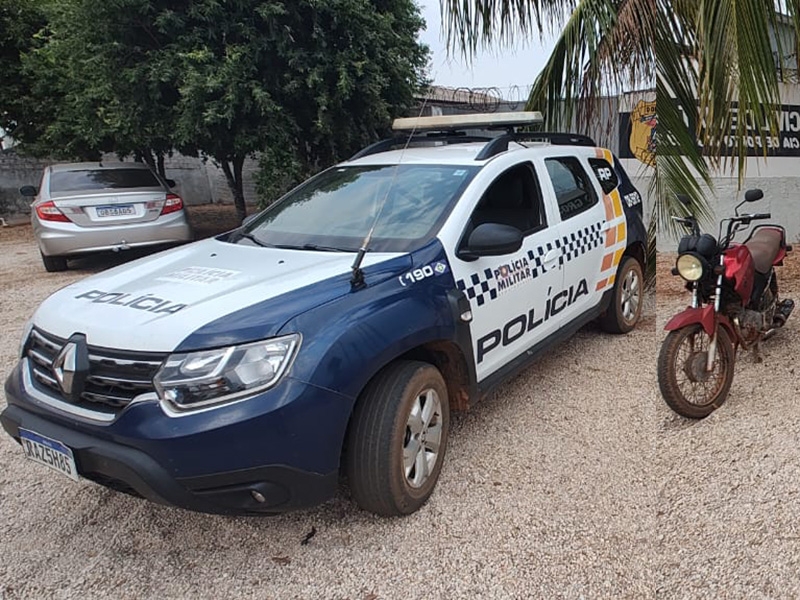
{"x":252,"y":238}
{"x":316,"y":247}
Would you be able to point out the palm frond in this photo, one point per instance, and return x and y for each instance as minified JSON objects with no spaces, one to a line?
{"x":471,"y":24}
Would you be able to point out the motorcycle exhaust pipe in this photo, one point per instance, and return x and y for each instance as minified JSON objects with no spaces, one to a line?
{"x":784,"y":309}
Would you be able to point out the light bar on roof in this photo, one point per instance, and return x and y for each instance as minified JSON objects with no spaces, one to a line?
{"x":476,"y":121}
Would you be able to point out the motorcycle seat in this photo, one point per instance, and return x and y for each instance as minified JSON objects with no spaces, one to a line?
{"x":764,"y":245}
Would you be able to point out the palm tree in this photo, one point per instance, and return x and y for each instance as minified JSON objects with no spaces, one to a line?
{"x":702,"y":55}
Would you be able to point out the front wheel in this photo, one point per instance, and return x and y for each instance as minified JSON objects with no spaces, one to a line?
{"x":687,"y":387}
{"x":397,"y":438}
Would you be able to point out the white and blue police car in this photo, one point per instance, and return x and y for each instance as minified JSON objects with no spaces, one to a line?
{"x":335,"y":332}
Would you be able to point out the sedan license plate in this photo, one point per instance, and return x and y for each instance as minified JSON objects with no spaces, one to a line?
{"x":120,"y":210}
{"x":47,"y":452}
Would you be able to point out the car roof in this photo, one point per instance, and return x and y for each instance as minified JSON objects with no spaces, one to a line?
{"x":94,"y":166}
{"x":461,"y":154}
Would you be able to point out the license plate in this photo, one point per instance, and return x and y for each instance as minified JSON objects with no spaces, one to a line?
{"x":116,"y":211}
{"x":47,"y":452}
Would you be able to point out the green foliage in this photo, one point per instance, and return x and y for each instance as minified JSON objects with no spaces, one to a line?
{"x":308,"y":82}
{"x":20,"y":21}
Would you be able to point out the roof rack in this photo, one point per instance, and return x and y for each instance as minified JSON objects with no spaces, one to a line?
{"x":500,"y":144}
{"x":444,"y":138}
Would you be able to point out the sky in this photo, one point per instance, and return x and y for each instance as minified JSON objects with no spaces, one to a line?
{"x":511,"y":70}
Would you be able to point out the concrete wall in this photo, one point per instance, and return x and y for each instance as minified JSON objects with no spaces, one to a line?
{"x":780,"y":181}
{"x":198,"y":182}
{"x":16,"y":171}
{"x":777,"y":176}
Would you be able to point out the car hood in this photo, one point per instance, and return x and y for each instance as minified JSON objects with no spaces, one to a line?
{"x":155,"y":303}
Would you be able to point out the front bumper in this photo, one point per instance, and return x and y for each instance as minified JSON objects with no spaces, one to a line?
{"x":269,"y":460}
{"x":68,"y":239}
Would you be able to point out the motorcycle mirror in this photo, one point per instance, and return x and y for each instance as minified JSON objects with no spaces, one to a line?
{"x":753,"y":195}
{"x":684,"y":199}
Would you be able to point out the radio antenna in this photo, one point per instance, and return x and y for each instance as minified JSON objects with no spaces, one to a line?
{"x":357,"y":279}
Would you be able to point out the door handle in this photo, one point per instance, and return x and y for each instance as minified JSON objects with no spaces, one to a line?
{"x":552,"y":255}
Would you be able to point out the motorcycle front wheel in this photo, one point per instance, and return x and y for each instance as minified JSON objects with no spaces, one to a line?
{"x":687,"y":387}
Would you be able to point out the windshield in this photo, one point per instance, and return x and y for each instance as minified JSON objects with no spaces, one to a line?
{"x":336,"y":209}
{"x":102,"y":179}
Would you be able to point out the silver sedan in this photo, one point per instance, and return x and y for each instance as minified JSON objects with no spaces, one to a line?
{"x":94,"y":207}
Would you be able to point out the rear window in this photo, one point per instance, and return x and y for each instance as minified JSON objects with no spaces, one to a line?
{"x":102,"y":179}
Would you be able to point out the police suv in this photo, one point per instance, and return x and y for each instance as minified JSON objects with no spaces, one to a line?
{"x":334,"y":333}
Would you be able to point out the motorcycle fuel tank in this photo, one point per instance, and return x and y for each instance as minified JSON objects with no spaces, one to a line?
{"x":740,"y":269}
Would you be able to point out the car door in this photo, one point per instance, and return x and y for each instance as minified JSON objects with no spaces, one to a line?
{"x":511,"y":295}
{"x":584,"y":223}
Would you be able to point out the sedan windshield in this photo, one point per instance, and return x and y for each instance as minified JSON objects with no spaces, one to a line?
{"x":336,"y":209}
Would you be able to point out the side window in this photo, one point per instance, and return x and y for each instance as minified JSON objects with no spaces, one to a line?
{"x":574,"y":191}
{"x":605,"y":174}
{"x":514,"y":199}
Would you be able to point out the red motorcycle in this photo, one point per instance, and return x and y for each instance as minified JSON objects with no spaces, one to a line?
{"x":735,"y":303}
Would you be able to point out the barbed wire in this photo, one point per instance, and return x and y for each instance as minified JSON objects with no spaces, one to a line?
{"x":479,"y":99}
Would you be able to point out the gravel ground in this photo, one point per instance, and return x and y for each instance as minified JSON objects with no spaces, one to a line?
{"x":547,"y":491}
{"x":728,"y":505}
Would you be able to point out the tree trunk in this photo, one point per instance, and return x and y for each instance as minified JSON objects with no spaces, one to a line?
{"x":147,"y":156}
{"x":233,"y":174}
{"x":160,"y":164}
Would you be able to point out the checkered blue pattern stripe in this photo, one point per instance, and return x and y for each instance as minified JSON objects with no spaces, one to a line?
{"x":482,"y":287}
{"x":580,"y":242}
{"x":536,"y":257}
{"x":479,"y":288}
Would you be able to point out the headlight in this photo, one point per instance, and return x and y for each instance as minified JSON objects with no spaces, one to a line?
{"x":690,"y":267}
{"x":206,"y":377}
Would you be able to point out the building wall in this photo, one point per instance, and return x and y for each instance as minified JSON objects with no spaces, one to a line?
{"x":777,"y":176}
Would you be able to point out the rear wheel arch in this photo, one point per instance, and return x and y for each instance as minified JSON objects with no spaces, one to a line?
{"x":637,"y":251}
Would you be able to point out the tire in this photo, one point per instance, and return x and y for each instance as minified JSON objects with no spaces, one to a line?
{"x":382,"y":433}
{"x":54,"y":264}
{"x":627,"y":299}
{"x":672,"y":364}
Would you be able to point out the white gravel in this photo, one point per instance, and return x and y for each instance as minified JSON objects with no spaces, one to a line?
{"x":550,"y":489}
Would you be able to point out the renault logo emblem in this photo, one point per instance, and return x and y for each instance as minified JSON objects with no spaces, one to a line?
{"x":71,"y":367}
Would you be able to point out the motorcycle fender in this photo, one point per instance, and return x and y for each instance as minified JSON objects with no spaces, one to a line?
{"x":704,"y":316}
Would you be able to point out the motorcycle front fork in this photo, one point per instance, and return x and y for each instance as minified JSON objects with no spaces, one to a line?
{"x":712,"y":346}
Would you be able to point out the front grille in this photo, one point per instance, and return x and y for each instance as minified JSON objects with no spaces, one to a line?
{"x":115,"y":377}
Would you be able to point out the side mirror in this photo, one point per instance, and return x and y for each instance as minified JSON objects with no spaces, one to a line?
{"x":170,"y":182}
{"x":753,"y":195}
{"x":28,"y":191}
{"x":492,"y":239}
{"x":684,"y":199}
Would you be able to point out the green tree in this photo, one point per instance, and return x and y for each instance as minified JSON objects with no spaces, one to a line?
{"x":306,"y":81}
{"x":94,"y":83}
{"x":704,"y":55}
{"x":20,"y":21}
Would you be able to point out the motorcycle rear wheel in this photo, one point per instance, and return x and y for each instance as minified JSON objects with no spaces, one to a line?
{"x":685,"y":386}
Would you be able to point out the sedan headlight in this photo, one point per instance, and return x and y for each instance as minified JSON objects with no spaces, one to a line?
{"x":197,"y":379}
{"x":691,"y":267}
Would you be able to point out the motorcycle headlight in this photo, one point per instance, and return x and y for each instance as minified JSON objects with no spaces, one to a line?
{"x":197,"y":379}
{"x":690,"y":266}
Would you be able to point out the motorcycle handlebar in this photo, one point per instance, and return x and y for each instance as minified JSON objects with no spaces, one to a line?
{"x":762,"y":216}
